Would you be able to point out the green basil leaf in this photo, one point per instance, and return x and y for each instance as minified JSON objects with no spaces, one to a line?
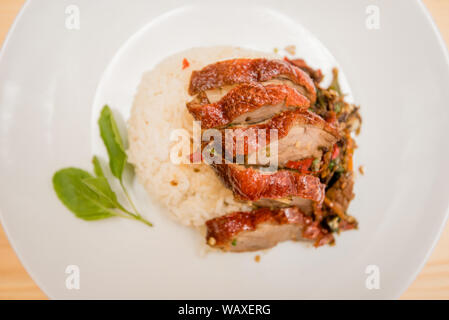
{"x":113,"y":142}
{"x":97,"y":167}
{"x":78,"y":197}
{"x":100,"y":186}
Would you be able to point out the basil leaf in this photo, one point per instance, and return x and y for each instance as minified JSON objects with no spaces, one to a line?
{"x":78,"y":197}
{"x":113,"y":142}
{"x":97,"y":167}
{"x":100,"y":186}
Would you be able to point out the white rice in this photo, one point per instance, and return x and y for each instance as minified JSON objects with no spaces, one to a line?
{"x":159,"y":108}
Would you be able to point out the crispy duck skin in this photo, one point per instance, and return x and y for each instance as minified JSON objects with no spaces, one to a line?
{"x":315,"y":74}
{"x":249,"y":183}
{"x":247,"y":103}
{"x":281,"y":104}
{"x":263,"y":228}
{"x":300,"y":134}
{"x":237,"y":71}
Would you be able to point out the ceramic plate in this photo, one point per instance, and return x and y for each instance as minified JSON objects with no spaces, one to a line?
{"x":56,"y":74}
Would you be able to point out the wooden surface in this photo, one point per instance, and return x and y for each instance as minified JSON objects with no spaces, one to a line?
{"x":432,"y":282}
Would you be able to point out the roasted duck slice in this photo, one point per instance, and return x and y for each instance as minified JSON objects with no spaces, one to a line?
{"x":315,"y":74}
{"x":300,"y":135}
{"x":247,"y":103}
{"x":273,"y":189}
{"x":264,"y":228}
{"x":237,"y":71}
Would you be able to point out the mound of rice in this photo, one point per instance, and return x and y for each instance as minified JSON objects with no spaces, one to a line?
{"x":191,"y":192}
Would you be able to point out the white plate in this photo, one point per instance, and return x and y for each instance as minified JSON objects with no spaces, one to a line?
{"x":54,"y":80}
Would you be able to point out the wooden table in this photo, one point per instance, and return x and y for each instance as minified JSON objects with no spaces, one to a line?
{"x":432,"y":282}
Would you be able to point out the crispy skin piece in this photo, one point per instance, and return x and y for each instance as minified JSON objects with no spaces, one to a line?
{"x":315,"y":74}
{"x":248,"y":102}
{"x":237,"y":71}
{"x":263,"y":228}
{"x":300,"y":134}
{"x":249,"y":183}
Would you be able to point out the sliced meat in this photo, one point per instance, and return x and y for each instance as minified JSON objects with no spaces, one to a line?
{"x":300,"y":135}
{"x":247,"y":103}
{"x":273,"y":189}
{"x":237,"y":71}
{"x":263,"y":228}
{"x":315,"y":74}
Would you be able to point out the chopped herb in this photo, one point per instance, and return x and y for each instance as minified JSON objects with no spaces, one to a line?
{"x":321,"y":100}
{"x":337,"y":107}
{"x":234,"y":242}
{"x":316,"y":164}
{"x":332,"y":165}
{"x":335,"y":85}
{"x":340,"y":169}
{"x":334,"y":224}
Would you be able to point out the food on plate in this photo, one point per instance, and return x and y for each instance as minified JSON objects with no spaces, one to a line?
{"x":299,"y":135}
{"x":277,"y":189}
{"x":263,"y":228}
{"x":159,"y":108}
{"x":246,"y":103}
{"x":223,"y":74}
{"x":246,"y":206}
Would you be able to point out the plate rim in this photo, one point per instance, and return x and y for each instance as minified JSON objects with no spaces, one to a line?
{"x":6,"y":230}
{"x":445,"y":51}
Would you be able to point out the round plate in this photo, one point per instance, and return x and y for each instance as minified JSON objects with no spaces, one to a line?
{"x":54,"y":79}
